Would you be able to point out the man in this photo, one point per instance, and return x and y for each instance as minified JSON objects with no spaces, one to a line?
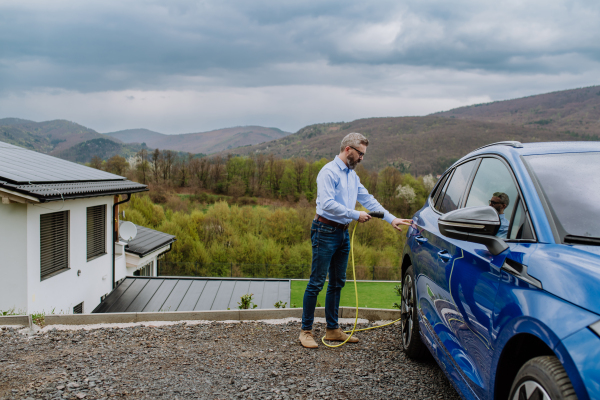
{"x":500,"y":201}
{"x":338,"y":189}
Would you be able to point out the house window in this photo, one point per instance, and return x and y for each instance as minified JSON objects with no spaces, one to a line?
{"x":78,"y":309}
{"x":146,"y":270}
{"x":54,"y":243}
{"x":96,"y":231}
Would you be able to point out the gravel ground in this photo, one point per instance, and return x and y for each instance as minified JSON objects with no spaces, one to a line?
{"x":250,"y":360}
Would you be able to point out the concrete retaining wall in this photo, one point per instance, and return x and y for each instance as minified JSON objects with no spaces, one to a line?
{"x":22,"y":320}
{"x":372,"y":314}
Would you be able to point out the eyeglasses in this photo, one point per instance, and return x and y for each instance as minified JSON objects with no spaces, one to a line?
{"x":493,"y":203}
{"x":360,"y":153}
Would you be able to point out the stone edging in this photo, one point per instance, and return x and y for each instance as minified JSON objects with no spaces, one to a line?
{"x":371,"y":314}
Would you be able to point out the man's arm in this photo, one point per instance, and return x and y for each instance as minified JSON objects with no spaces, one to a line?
{"x":326,"y":195}
{"x":368,"y":201}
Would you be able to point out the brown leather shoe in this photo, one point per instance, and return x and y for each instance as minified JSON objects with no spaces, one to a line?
{"x":338,"y":335}
{"x":307,"y":339}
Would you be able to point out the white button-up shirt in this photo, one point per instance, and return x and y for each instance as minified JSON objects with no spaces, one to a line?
{"x":338,"y":190}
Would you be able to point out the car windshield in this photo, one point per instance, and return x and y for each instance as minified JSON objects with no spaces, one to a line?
{"x":571,"y":185}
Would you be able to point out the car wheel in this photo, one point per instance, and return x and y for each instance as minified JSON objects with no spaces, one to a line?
{"x":542,"y":378}
{"x":411,"y":337}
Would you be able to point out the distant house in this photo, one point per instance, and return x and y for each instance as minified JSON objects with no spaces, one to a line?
{"x":58,"y":248}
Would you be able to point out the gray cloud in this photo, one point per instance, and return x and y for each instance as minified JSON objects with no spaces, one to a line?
{"x":445,"y":53}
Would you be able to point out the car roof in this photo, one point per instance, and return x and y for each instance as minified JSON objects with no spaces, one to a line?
{"x":528,"y":149}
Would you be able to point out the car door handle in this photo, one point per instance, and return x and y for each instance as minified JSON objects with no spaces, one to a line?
{"x":444,"y":255}
{"x":421,"y":239}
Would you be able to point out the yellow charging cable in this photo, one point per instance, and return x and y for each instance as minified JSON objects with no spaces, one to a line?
{"x":356,"y":293}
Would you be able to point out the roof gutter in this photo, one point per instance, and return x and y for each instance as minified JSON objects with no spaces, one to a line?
{"x":114,"y":215}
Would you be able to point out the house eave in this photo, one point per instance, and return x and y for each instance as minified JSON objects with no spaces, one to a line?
{"x":16,"y":197}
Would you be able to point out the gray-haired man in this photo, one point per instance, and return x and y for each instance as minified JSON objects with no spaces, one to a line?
{"x":338,"y":189}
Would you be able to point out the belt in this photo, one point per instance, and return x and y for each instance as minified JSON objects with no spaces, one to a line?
{"x":331,"y":223}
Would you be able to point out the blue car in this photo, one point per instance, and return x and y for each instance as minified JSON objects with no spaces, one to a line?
{"x":501,"y":273}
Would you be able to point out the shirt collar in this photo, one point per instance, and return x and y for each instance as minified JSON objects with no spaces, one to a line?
{"x":340,"y":163}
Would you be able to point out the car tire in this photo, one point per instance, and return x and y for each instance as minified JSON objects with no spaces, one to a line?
{"x":542,"y":378}
{"x":410,"y":332}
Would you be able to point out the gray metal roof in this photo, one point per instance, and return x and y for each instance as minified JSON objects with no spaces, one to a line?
{"x":66,"y":191}
{"x":49,"y":178}
{"x":147,"y":240}
{"x":153,"y":294}
{"x":19,"y":165}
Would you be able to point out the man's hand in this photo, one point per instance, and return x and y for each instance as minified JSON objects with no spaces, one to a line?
{"x":364,"y":217}
{"x":399,"y":221}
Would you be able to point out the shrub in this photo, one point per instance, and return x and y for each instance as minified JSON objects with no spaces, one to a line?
{"x":246,"y":302}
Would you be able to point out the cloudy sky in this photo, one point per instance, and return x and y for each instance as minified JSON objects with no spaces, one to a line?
{"x":178,"y":66}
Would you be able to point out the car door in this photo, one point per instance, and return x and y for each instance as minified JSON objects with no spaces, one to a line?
{"x":432,"y":256}
{"x":473,"y":273}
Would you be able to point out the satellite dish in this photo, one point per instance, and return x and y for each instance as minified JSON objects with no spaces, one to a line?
{"x":127,"y":231}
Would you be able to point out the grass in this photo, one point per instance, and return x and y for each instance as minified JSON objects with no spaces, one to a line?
{"x":370,"y":294}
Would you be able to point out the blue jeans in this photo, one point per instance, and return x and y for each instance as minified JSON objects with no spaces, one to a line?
{"x":330,"y":249}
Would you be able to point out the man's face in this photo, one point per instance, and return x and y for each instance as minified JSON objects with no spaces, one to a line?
{"x":496,"y":202}
{"x":353,"y":157}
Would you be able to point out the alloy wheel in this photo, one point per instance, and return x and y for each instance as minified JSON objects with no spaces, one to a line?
{"x":530,"y":390}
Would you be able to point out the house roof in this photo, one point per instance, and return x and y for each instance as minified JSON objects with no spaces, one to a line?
{"x":147,"y":240}
{"x":49,"y":178}
{"x":153,"y":294}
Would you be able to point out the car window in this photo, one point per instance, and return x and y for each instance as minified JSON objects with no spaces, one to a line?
{"x":521,"y":227}
{"x":570,"y":183}
{"x":456,"y":187}
{"x":439,"y":188}
{"x":438,"y":200}
{"x":494,"y":186}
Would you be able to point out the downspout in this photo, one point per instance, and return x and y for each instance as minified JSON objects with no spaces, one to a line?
{"x":114,"y":218}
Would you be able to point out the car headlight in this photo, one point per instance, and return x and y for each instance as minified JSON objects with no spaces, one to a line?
{"x":595,"y":327}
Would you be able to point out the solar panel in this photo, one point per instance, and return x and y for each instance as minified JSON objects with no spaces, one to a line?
{"x":19,"y":165}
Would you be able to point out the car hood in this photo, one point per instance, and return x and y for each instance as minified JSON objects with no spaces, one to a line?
{"x":569,"y":272}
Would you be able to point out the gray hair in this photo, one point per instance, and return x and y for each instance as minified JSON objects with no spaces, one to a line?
{"x":503,"y":197}
{"x":353,"y":139}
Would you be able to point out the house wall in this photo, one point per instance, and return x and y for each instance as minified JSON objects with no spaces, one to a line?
{"x":63,"y":291}
{"x":134,"y":262}
{"x":13,"y":257}
{"x":120,"y":268}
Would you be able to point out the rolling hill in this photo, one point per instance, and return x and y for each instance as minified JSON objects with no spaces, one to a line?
{"x":201,"y":142}
{"x":420,"y":145}
{"x":64,"y":139}
{"x":429,"y":144}
{"x":576,"y":111}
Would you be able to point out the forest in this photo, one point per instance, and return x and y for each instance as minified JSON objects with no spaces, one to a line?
{"x":251,"y":215}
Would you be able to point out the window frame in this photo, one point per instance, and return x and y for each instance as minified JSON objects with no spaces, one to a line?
{"x":467,"y":191}
{"x":520,"y":198}
{"x":450,"y":174}
{"x":104,"y":225}
{"x":67,"y":213}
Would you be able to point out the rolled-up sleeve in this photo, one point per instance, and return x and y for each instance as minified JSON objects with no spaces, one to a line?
{"x":326,"y":183}
{"x":368,"y":201}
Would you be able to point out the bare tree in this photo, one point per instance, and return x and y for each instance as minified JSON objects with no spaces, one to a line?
{"x":299,"y":165}
{"x":143,"y":167}
{"x":156,"y":164}
{"x":96,"y":162}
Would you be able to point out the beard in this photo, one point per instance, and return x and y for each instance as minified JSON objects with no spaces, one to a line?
{"x":353,"y":161}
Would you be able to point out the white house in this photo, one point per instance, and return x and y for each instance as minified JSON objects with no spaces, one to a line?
{"x":57,"y":237}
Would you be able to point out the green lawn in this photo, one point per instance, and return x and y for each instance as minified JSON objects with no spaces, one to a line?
{"x":370,"y":294}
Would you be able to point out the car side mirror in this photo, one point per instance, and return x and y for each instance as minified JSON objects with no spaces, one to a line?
{"x":475,"y":224}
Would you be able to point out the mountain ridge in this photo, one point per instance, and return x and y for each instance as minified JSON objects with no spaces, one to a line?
{"x":201,"y":142}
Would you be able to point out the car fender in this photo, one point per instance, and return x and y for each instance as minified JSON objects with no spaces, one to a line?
{"x":521,"y":310}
